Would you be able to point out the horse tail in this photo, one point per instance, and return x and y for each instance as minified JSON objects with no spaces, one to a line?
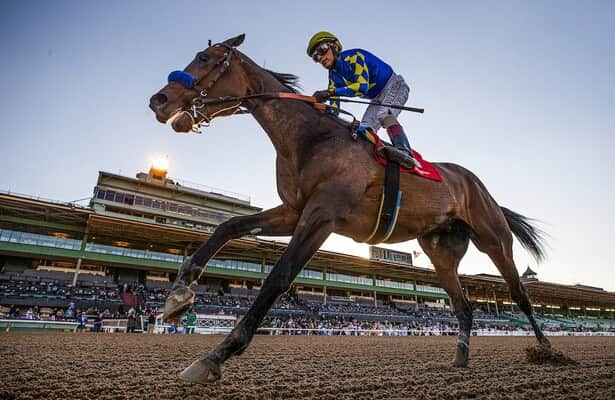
{"x":531,"y":238}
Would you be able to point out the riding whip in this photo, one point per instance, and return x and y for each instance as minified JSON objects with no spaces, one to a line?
{"x":377,"y":103}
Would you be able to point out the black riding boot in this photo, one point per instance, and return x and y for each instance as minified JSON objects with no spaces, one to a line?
{"x":403,"y":155}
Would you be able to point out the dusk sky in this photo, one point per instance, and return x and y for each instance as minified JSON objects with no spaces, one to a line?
{"x":521,"y":93}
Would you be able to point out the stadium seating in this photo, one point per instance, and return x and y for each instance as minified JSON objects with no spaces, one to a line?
{"x":51,"y":290}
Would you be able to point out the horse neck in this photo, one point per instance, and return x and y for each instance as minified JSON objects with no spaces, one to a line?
{"x":284,"y":121}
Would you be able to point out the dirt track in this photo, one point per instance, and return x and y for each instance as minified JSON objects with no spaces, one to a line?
{"x":119,"y":366}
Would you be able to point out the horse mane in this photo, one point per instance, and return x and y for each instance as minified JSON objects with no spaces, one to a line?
{"x":290,"y":81}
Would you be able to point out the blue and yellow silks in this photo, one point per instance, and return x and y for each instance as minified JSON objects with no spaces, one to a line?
{"x":358,"y":73}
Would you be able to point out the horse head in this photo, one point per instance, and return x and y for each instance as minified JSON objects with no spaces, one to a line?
{"x":192,"y":96}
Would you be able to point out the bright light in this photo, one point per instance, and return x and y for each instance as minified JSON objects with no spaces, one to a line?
{"x":160,"y":164}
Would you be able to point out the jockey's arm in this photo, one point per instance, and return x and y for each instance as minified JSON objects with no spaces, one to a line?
{"x":359,"y":85}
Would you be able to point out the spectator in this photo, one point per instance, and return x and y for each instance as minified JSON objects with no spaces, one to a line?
{"x":131,"y":325}
{"x":151,"y":322}
{"x":82,"y":319}
{"x":98,"y":322}
{"x":190,"y":321}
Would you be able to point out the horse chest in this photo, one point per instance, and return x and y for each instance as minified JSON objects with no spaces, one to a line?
{"x":288,"y":186}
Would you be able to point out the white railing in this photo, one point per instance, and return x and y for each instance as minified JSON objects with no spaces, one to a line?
{"x":8,"y":324}
{"x":419,"y":332}
{"x":120,"y":325}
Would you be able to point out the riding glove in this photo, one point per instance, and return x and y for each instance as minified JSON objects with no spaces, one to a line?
{"x":321,"y":95}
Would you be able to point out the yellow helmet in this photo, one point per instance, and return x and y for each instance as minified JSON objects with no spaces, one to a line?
{"x":320,"y":37}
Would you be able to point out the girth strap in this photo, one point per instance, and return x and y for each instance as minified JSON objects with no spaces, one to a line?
{"x":389,"y":205}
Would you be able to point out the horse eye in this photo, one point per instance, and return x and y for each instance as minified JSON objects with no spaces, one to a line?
{"x":202,"y":57}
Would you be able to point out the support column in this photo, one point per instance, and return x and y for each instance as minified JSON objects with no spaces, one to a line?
{"x":324,"y":290}
{"x":375,"y":293}
{"x":324,"y":286}
{"x":488,"y":306}
{"x":84,"y":242}
{"x":77,"y":268}
{"x":497,"y":312}
{"x":263,"y":263}
{"x":185,"y":254}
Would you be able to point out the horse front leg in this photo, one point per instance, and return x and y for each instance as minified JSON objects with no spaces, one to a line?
{"x":278,"y":221}
{"x":313,"y":228}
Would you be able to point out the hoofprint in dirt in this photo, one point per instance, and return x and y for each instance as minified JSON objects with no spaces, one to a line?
{"x":120,"y":366}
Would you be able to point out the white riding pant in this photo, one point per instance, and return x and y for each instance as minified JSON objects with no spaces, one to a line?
{"x":395,"y":92}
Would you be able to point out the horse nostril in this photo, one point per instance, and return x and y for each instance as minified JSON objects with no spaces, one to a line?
{"x":158,"y":100}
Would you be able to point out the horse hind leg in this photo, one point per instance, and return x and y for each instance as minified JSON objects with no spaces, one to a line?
{"x":494,"y":238}
{"x":445,"y":250}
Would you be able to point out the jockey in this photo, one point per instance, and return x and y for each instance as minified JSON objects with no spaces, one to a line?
{"x":359,"y":73}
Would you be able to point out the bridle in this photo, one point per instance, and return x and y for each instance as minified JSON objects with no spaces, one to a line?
{"x":198,"y":105}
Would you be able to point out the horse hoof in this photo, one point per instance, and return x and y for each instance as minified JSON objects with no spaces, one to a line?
{"x":545,"y":343}
{"x":204,"y":372}
{"x":459,"y":364}
{"x":178,"y":302}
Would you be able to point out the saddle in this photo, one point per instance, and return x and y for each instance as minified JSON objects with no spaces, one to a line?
{"x":421,"y":168}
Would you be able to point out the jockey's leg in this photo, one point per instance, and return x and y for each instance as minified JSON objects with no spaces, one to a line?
{"x":395,"y":92}
{"x":403,"y":153}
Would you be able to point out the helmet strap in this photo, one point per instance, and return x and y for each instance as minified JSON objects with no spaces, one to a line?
{"x":336,"y":53}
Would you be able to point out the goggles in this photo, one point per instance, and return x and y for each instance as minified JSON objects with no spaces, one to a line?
{"x":320,"y":50}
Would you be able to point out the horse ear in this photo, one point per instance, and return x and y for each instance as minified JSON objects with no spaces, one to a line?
{"x":236,"y":41}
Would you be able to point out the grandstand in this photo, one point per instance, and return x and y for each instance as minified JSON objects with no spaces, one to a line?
{"x":126,"y":246}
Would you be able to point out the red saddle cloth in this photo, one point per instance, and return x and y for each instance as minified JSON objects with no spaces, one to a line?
{"x":422,"y":168}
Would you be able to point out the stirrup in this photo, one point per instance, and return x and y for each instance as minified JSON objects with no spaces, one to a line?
{"x":399,"y":156}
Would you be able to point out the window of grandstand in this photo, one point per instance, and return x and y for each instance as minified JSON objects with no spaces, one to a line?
{"x":39,"y":240}
{"x":175,"y":208}
{"x":126,"y":252}
{"x":382,"y":254}
{"x":394,"y":284}
{"x":430,"y":289}
{"x":235,"y":264}
{"x":357,"y":280}
{"x":310,"y":274}
{"x":305,"y":273}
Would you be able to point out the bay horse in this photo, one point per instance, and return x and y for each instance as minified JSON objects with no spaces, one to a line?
{"x":330,"y":183}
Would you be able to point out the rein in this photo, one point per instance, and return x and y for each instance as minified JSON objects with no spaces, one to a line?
{"x":199,"y":103}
